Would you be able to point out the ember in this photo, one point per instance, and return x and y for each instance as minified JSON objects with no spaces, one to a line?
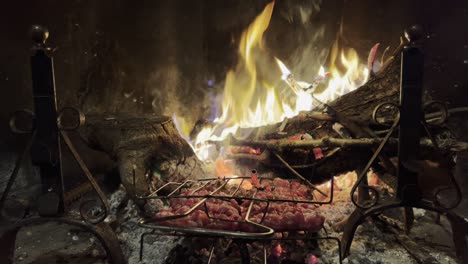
{"x":312,"y":259}
{"x":275,"y":255}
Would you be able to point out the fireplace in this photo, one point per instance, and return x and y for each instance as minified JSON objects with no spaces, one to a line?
{"x":269,"y":132}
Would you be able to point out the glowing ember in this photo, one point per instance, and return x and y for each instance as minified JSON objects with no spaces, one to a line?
{"x":252,"y":90}
{"x":223,"y":168}
{"x":312,"y":259}
{"x":277,"y":250}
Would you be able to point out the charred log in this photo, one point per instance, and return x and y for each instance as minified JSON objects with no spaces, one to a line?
{"x":148,"y":150}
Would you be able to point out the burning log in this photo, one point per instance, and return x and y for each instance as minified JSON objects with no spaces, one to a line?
{"x":148,"y":150}
{"x":353,"y":110}
{"x":344,"y":140}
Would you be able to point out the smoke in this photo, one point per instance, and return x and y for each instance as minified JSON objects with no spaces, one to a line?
{"x":163,"y":84}
{"x":164,"y":69}
{"x":302,"y":33}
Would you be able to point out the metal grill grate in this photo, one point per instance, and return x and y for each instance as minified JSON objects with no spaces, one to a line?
{"x":204,"y":191}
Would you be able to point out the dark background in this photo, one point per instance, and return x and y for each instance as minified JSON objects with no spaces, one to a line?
{"x":156,"y":56}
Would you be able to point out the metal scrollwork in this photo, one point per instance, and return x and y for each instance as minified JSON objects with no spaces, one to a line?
{"x":381,"y":115}
{"x":26,"y":117}
{"x":70,"y":118}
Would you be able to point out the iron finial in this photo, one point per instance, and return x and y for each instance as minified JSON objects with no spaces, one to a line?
{"x":39,"y":34}
{"x":414,"y":33}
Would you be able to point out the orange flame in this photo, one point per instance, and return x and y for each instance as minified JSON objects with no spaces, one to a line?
{"x":251,"y":99}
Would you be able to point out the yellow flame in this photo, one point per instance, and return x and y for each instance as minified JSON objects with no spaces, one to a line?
{"x":284,"y":70}
{"x":354,"y":76}
{"x":241,"y":83}
{"x":251,"y":101}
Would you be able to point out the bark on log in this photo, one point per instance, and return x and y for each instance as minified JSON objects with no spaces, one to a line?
{"x":279,"y":145}
{"x":147,"y":148}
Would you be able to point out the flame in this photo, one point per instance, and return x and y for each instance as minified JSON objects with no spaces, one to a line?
{"x":284,"y":70}
{"x":254,"y":93}
{"x":355,"y":75}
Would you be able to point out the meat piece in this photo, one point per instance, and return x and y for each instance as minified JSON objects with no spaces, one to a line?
{"x":293,"y":221}
{"x":182,"y":210}
{"x":223,"y":214}
{"x":266,"y":185}
{"x":245,"y":204}
{"x":265,"y":195}
{"x":258,"y":208}
{"x":300,"y":191}
{"x":192,"y":202}
{"x":274,"y":221}
{"x":200,"y":218}
{"x":278,"y":182}
{"x":313,"y":222}
{"x":227,"y":210}
{"x":235,"y":204}
{"x":295,"y":184}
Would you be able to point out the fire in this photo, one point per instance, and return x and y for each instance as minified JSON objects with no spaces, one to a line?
{"x":254,"y":93}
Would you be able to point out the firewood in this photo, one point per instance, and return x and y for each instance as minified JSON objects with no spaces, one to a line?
{"x":148,"y":149}
{"x":335,"y":142}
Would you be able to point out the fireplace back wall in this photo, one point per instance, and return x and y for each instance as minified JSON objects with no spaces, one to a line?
{"x":158,"y":56}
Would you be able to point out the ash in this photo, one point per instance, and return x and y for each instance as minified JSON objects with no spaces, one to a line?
{"x":156,"y":248}
{"x":373,"y":244}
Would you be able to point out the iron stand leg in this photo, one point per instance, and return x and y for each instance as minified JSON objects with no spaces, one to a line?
{"x":460,"y":236}
{"x":244,"y":251}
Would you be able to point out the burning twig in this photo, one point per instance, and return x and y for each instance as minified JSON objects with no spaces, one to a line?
{"x":320,"y":116}
{"x":338,"y":142}
{"x":258,"y":157}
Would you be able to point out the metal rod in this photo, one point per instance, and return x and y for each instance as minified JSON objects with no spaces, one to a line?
{"x":89,"y":176}
{"x":411,"y":115}
{"x":46,"y":149}
{"x":297,"y":174}
{"x":211,"y":251}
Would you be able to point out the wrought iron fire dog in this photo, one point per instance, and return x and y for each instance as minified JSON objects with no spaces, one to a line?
{"x":47,"y":126}
{"x":408,"y":117}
